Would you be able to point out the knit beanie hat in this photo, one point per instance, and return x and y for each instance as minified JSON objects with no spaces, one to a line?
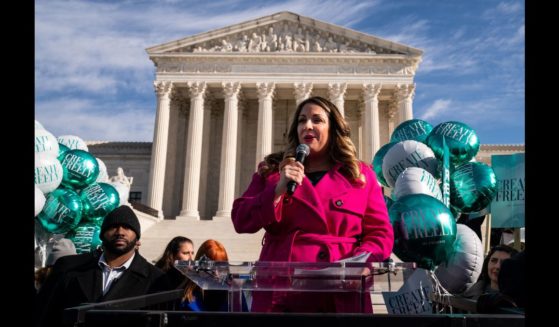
{"x":122,"y":215}
{"x":60,"y":248}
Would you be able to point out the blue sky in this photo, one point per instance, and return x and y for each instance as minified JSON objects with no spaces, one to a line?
{"x":93,"y":77}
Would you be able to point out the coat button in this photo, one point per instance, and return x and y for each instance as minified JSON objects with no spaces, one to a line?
{"x":339,"y":203}
{"x":322,"y":255}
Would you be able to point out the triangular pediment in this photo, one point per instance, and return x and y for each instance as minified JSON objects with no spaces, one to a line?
{"x":284,"y":32}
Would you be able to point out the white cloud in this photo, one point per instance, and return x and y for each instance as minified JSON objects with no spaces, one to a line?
{"x":436,"y":109}
{"x":89,"y":46}
{"x":91,"y":120}
{"x":509,"y":7}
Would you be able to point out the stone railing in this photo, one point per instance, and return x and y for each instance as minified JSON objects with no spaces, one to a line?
{"x":145,"y":209}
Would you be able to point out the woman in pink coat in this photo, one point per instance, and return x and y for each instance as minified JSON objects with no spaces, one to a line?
{"x":337,"y":210}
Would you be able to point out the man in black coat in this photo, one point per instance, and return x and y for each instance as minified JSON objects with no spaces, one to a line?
{"x":119,"y":271}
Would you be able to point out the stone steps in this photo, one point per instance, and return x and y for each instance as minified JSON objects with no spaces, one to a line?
{"x":240,"y":247}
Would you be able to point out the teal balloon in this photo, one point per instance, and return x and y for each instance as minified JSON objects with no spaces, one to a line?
{"x":62,"y":149}
{"x":62,"y":211}
{"x":86,"y":237}
{"x":424,"y":230}
{"x":80,"y":169}
{"x":377,"y":162}
{"x":455,"y":211}
{"x":461,"y":139}
{"x":99,"y":199}
{"x":96,"y":220}
{"x":414,"y":129}
{"x":473,"y":186}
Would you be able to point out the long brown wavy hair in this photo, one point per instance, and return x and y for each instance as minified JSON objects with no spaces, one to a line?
{"x":167,"y":260}
{"x":213,"y":250}
{"x":340,"y":147}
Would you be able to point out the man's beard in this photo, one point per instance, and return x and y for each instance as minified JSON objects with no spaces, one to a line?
{"x":111,"y":248}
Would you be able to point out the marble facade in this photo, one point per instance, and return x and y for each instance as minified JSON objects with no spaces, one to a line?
{"x":224,"y":99}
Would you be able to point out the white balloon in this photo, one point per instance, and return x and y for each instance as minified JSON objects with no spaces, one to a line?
{"x":465,"y":264}
{"x":73,"y":142}
{"x":48,"y":174}
{"x":38,"y":125}
{"x":39,"y":200}
{"x":415,"y":180}
{"x":103,"y":175}
{"x":123,"y":192}
{"x":46,"y":144}
{"x":405,"y":154}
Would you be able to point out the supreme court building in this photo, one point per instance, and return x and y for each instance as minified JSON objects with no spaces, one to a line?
{"x":225,"y":97}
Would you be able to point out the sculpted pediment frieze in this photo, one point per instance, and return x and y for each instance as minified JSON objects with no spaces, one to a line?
{"x":285,"y":36}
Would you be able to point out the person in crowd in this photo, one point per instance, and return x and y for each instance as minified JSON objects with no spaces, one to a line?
{"x":488,"y":281}
{"x":179,"y":248}
{"x":119,"y":271}
{"x":512,"y":278}
{"x":337,"y":211}
{"x":60,"y":248}
{"x":512,"y":291}
{"x":196,"y":299}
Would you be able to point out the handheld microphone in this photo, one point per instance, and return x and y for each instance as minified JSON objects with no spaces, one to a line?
{"x":303,"y":151}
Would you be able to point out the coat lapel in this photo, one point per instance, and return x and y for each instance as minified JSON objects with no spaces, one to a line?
{"x":316,"y":198}
{"x":130,"y":283}
{"x":333,"y":184}
{"x":90,"y":282}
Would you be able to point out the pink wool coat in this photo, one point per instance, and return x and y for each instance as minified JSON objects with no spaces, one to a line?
{"x":324,"y":223}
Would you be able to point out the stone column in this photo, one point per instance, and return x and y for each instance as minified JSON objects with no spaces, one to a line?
{"x":372,"y":128}
{"x":336,"y":92}
{"x":193,"y":151}
{"x":206,"y":149}
{"x":302,"y":91}
{"x":360,"y":130}
{"x":405,"y":94}
{"x":392,"y":116}
{"x":228,"y":150}
{"x":264,"y":140}
{"x":242,"y":114}
{"x":159,"y":148}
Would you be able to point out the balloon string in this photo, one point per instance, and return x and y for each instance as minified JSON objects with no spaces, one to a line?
{"x":443,"y":296}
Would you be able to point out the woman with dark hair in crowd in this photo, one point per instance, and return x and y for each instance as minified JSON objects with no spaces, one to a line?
{"x":179,"y":248}
{"x":488,"y":281}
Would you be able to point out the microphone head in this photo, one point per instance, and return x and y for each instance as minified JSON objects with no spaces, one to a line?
{"x":303,"y":148}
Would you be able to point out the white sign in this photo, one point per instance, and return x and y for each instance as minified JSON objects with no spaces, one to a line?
{"x":412,"y":297}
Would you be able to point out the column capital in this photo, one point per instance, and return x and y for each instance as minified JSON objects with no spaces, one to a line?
{"x":336,"y":90}
{"x":371,"y":91}
{"x":302,"y":91}
{"x":162,"y":88}
{"x":231,"y":89}
{"x":265,"y":90}
{"x":405,"y":92}
{"x":196,"y":89}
